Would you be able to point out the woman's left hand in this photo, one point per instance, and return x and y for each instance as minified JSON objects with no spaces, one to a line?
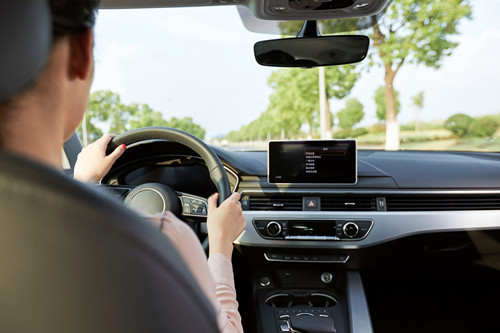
{"x":92,"y":163}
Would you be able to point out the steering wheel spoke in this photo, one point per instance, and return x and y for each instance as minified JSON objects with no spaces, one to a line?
{"x":118,"y":191}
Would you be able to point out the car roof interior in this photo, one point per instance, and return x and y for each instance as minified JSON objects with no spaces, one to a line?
{"x":270,"y":9}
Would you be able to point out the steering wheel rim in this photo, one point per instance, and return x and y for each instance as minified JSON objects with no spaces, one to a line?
{"x":214,"y":165}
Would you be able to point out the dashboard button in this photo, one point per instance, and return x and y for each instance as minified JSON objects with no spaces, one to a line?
{"x":350,"y":229}
{"x":326,"y":277}
{"x":265,"y":281}
{"x":339,"y":258}
{"x":273,"y":228}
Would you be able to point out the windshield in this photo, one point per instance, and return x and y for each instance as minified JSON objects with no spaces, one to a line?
{"x":428,"y":83}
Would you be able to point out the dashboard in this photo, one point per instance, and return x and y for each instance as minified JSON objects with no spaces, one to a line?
{"x":314,"y":248}
{"x":397,"y":194}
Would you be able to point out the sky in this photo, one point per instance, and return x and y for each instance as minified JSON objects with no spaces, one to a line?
{"x":199,"y":63}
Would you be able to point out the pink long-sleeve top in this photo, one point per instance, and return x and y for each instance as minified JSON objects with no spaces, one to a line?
{"x":214,"y":276}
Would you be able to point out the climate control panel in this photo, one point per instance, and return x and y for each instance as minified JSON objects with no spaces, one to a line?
{"x":327,"y":230}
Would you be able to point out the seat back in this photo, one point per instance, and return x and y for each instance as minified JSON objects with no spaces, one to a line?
{"x":73,"y":260}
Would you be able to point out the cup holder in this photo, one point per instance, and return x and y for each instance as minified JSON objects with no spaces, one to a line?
{"x":318,"y":299}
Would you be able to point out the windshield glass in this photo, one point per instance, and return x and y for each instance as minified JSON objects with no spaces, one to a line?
{"x":428,"y":83}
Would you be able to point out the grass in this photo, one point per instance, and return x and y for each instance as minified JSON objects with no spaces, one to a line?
{"x":431,"y":140}
{"x":437,"y":139}
{"x":478,"y":144}
{"x":450,"y":144}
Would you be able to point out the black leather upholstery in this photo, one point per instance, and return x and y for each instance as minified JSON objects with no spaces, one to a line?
{"x":73,"y":260}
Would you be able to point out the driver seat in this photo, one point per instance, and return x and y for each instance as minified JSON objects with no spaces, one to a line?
{"x":72,"y":259}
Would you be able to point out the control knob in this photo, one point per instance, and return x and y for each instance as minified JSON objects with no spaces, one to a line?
{"x":350,"y":229}
{"x":273,"y":228}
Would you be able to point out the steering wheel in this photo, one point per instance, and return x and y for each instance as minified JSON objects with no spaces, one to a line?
{"x":156,"y":197}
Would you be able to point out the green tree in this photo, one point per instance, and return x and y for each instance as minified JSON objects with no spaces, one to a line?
{"x":484,"y":127}
{"x":380,"y":101}
{"x":144,"y":116}
{"x":414,"y":31}
{"x":459,"y":124}
{"x":418,"y":102}
{"x":411,"y":31}
{"x":295,"y":100}
{"x":264,"y":127}
{"x":102,"y":104}
{"x":186,"y":124}
{"x":105,"y":109}
{"x":287,"y":105}
{"x":350,"y":115}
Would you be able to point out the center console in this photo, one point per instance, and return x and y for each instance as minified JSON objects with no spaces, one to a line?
{"x":298,"y":300}
{"x":298,"y":288}
{"x":316,"y":299}
{"x":305,"y":278}
{"x":301,"y":283}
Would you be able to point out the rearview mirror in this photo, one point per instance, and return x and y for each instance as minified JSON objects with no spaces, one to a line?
{"x":312,"y":51}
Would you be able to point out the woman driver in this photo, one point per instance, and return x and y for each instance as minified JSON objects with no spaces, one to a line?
{"x":37,"y":122}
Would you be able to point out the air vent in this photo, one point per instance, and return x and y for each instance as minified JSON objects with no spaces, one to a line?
{"x":275,"y":203}
{"x":295,"y":203}
{"x":440,"y":202}
{"x":354,"y":203}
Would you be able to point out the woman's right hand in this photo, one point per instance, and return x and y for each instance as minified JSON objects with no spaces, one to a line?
{"x":225,"y":223}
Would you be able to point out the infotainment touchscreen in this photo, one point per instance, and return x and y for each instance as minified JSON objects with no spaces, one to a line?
{"x":312,"y":162}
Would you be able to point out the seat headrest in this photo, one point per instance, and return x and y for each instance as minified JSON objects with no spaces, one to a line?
{"x":25,"y":38}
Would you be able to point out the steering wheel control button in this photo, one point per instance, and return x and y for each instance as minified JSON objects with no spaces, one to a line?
{"x":273,"y":228}
{"x":186,"y":208}
{"x":350,"y":229}
{"x":198,"y":207}
{"x":193,"y":206}
{"x":326,"y":277}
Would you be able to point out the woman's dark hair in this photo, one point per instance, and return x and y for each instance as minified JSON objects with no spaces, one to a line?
{"x":72,"y":16}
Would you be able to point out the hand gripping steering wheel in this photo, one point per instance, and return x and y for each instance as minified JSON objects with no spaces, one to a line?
{"x":148,"y":195}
